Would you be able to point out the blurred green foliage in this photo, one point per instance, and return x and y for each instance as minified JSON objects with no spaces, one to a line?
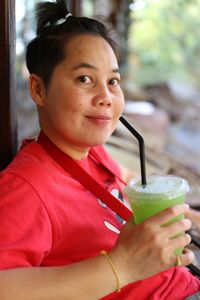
{"x":164,"y":41}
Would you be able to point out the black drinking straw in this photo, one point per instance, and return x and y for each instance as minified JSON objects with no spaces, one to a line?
{"x":141,"y":149}
{"x":194,"y":269}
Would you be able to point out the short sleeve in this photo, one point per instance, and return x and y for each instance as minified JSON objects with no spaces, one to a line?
{"x":25,"y":227}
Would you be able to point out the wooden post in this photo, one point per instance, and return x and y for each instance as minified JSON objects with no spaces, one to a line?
{"x":76,"y":7}
{"x":8,"y":115}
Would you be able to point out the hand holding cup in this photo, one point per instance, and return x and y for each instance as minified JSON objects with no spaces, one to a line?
{"x":147,"y":248}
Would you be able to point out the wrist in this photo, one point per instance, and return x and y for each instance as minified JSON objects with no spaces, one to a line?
{"x":113,"y":268}
{"x":120,"y":264}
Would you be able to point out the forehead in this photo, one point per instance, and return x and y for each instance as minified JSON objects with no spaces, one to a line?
{"x":90,"y":48}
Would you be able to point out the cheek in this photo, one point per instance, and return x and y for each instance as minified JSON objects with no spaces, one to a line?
{"x":64,"y":106}
{"x":57,"y":111}
{"x":77,"y":106}
{"x":74,"y":102}
{"x":120,"y":104}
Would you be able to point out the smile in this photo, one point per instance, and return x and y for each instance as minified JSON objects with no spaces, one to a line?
{"x":99,"y":120}
{"x":100,"y":117}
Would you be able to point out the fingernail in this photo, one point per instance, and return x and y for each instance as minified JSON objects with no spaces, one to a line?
{"x":187,"y":222}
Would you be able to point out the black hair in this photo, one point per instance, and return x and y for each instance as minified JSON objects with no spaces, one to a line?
{"x":53,"y":31}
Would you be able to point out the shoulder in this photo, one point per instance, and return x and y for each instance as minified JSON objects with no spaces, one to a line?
{"x":31,"y":169}
{"x":105,"y":158}
{"x":31,"y":161}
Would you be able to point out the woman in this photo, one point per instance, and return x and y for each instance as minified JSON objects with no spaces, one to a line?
{"x":58,"y":240}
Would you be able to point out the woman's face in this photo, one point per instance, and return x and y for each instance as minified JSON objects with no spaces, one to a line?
{"x":82,"y":104}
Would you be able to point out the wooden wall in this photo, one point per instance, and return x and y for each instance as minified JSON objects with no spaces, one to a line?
{"x":8,"y":117}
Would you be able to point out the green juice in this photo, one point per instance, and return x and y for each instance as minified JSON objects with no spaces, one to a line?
{"x":160,"y":193}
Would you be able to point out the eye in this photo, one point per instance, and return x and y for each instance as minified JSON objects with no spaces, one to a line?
{"x":84,"y":79}
{"x":114,"y":81}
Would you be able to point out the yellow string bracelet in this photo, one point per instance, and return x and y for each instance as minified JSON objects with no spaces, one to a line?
{"x":104,"y":253}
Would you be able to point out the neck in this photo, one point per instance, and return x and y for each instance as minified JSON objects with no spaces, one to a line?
{"x":75,"y":152}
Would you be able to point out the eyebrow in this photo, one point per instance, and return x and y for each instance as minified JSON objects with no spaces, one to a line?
{"x":89,"y":66}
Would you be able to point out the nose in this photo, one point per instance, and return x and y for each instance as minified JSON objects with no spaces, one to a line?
{"x":102,"y":96}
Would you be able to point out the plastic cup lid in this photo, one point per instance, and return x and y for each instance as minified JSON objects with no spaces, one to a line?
{"x":162,"y":187}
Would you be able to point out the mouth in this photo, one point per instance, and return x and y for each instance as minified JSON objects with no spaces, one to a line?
{"x":99,"y":119}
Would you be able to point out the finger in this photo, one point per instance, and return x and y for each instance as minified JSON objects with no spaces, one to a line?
{"x":180,"y":241}
{"x":169,"y":213}
{"x":186,"y":258}
{"x":175,"y":228}
{"x":194,"y":216}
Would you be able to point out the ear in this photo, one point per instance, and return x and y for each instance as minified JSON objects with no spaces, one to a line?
{"x":37,"y":89}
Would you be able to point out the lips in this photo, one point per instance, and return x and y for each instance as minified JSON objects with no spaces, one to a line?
{"x":100,"y":117}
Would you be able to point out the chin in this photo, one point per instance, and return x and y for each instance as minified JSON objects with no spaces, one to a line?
{"x":97,"y":139}
{"x":99,"y":142}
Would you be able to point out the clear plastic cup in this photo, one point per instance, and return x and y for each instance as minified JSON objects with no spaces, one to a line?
{"x":160,"y":193}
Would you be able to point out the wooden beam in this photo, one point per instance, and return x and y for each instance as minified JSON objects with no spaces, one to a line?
{"x":8,"y":116}
{"x":74,"y":6}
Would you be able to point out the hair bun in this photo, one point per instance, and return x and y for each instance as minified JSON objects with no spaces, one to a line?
{"x":48,"y":13}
